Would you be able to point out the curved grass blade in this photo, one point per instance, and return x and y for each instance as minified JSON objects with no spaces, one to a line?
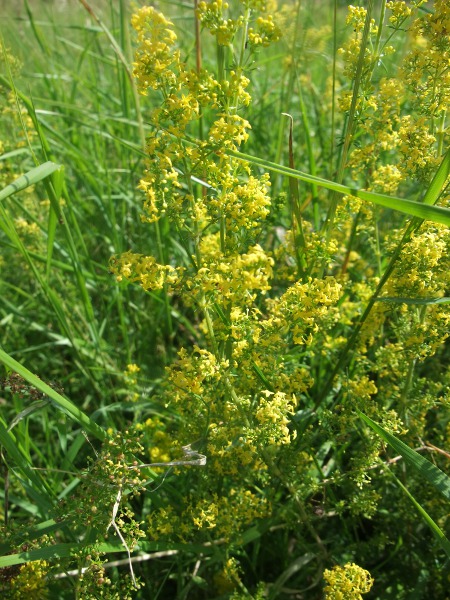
{"x":32,"y":481}
{"x":48,"y":552}
{"x":430,"y":472}
{"x":424,"y":467}
{"x":62,"y":403}
{"x":425,"y":210}
{"x":434,"y":190}
{"x":32,"y":177}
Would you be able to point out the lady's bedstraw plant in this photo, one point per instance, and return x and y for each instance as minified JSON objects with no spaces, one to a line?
{"x":237,"y":392}
{"x":270,"y":332}
{"x":347,"y":582}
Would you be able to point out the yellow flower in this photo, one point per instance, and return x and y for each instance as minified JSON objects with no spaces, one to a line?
{"x":155,"y":54}
{"x":31,"y":582}
{"x":347,"y":582}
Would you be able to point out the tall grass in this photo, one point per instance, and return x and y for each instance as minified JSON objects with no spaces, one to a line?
{"x":319,"y":396}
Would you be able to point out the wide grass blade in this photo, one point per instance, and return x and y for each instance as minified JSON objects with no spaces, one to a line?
{"x":414,"y":301}
{"x":28,"y":179}
{"x":437,"y":214}
{"x":68,"y":550}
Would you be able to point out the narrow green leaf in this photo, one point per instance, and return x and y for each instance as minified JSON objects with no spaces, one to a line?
{"x":51,"y":233}
{"x":438,"y":182}
{"x":262,"y":377}
{"x":437,"y":214}
{"x":46,"y":527}
{"x":296,"y":565}
{"x":46,"y":553}
{"x":34,"y":176}
{"x":21,"y":463}
{"x":62,"y":403}
{"x":428,"y":520}
{"x":424,"y":467}
{"x":67,"y":550}
{"x":422,"y":301}
{"x":14,"y":153}
{"x":40,"y":38}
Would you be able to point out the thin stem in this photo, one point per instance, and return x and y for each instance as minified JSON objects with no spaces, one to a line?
{"x":410,"y":375}
{"x":294,"y":493}
{"x":347,"y":351}
{"x":351,"y":121}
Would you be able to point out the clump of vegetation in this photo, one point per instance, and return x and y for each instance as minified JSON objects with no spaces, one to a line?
{"x":244,"y":268}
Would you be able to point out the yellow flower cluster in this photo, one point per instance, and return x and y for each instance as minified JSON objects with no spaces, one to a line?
{"x":422,"y":272}
{"x":191,"y":371}
{"x":229,"y":132}
{"x":417,"y":146}
{"x":24,"y":227}
{"x":31,"y":581}
{"x":423,"y":268}
{"x":347,"y":582}
{"x":400,"y":11}
{"x":144,"y":270}
{"x":351,"y":49}
{"x":212,"y":15}
{"x":426,"y":68}
{"x":131,"y":382}
{"x":264,"y":33}
{"x":161,"y":446}
{"x":228,"y":578}
{"x":272,"y":415}
{"x":223,"y":515}
{"x":306,"y":307}
{"x":232,"y":277}
{"x":156,"y":54}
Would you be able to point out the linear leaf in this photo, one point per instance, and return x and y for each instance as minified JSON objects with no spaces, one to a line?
{"x":63,"y":403}
{"x":437,"y":214}
{"x":438,"y":182}
{"x":428,"y":520}
{"x":21,"y":463}
{"x":34,"y":176}
{"x":430,"y":472}
{"x":67,"y":550}
{"x":422,"y":301}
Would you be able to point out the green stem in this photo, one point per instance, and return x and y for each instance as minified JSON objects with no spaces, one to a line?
{"x":347,"y":352}
{"x":162,"y":260}
{"x":351,"y":121}
{"x":243,"y":38}
{"x":294,"y":493}
{"x":380,"y":28}
{"x":440,"y":135}
{"x":410,"y":375}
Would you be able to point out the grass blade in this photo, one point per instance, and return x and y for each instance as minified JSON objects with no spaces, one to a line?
{"x":62,"y":403}
{"x":31,"y":178}
{"x":438,"y":182}
{"x":424,"y":467}
{"x":39,"y":492}
{"x":437,"y":214}
{"x":428,"y":520}
{"x":414,"y":301}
